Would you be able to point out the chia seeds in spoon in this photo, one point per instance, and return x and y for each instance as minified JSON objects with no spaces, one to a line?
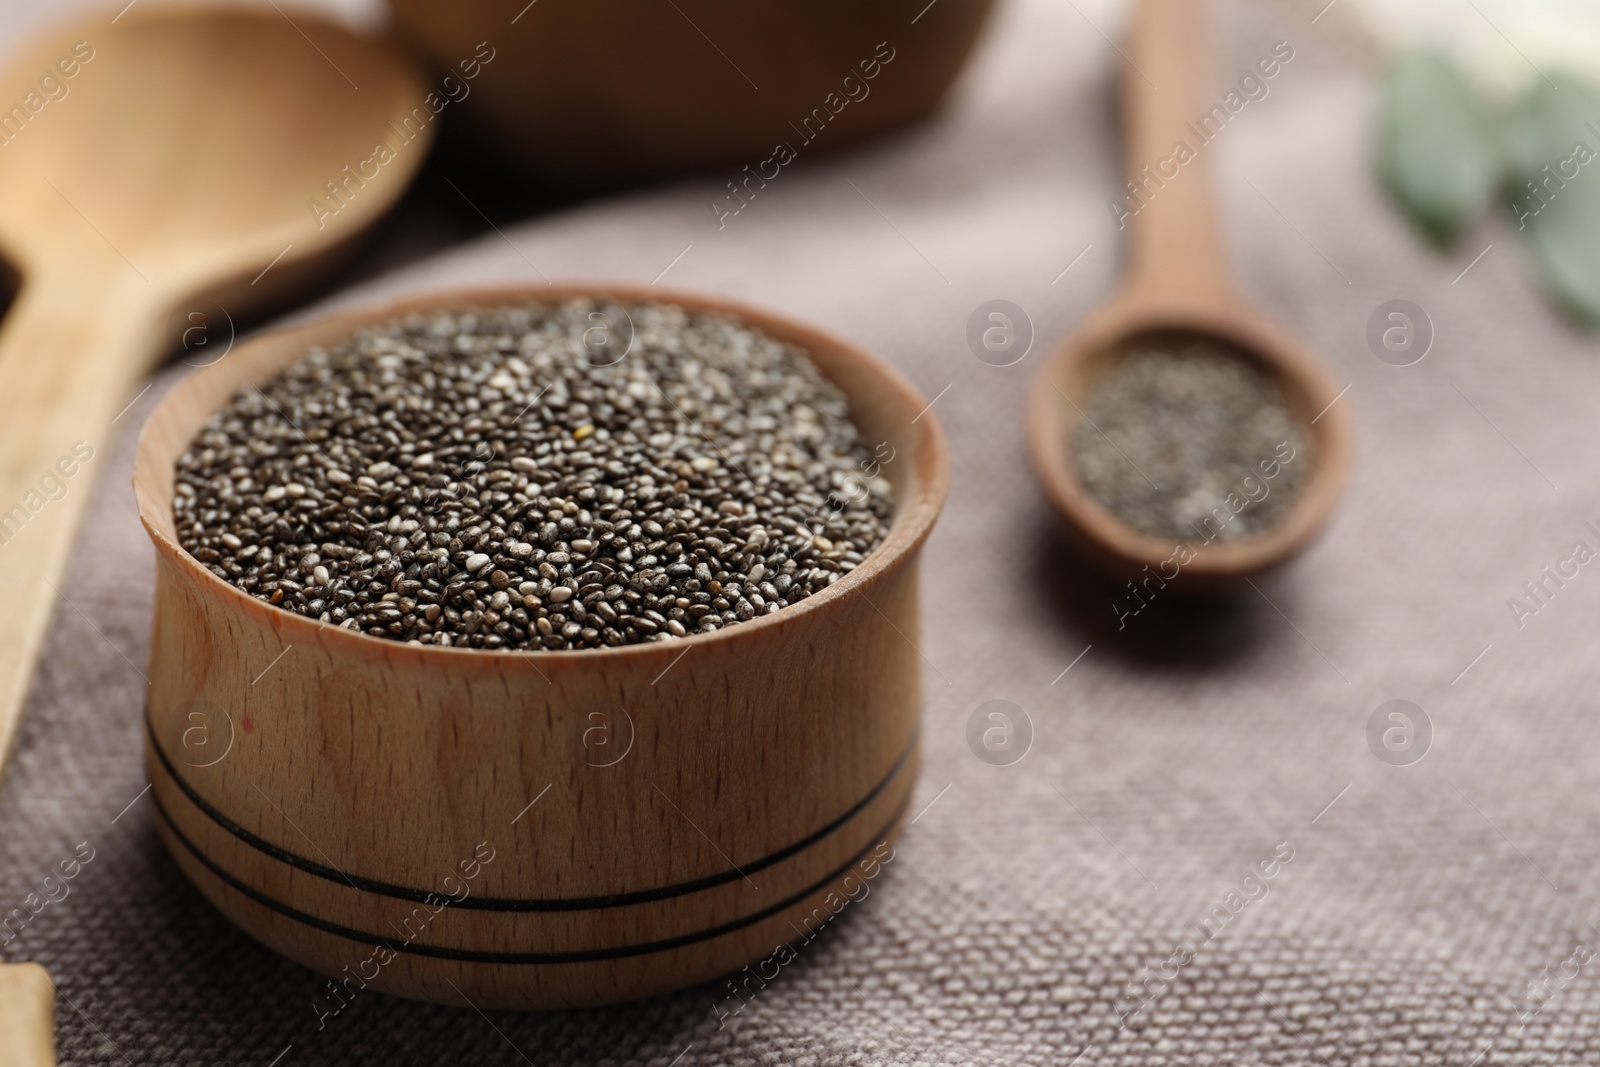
{"x":1190,"y":442}
{"x":486,"y":479}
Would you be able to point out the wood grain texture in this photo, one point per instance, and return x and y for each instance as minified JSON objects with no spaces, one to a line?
{"x":691,"y":84}
{"x":317,"y":784}
{"x":1179,"y":286}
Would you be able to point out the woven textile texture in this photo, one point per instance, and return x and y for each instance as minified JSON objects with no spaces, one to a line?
{"x":1100,"y":901}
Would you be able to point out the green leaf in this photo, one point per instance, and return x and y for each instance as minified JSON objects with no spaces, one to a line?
{"x":1436,"y":147}
{"x":1553,"y":182}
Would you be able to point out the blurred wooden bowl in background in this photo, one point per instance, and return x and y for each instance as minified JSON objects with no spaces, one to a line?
{"x":608,"y":92}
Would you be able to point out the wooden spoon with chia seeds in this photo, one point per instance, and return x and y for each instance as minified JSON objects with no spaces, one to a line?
{"x":1179,"y":291}
{"x":156,"y":162}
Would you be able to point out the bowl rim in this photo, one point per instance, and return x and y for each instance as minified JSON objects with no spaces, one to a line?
{"x":926,"y":485}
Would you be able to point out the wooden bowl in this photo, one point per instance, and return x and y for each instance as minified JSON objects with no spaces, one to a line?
{"x":546,"y":829}
{"x":1068,"y":379}
{"x":606,"y":92}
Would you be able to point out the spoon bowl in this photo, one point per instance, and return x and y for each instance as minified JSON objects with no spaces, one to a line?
{"x":1063,"y":393}
{"x":1179,"y":289}
{"x":189,"y":147}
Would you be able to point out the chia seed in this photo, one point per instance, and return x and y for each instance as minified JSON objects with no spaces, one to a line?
{"x":476,"y":479}
{"x":1176,"y":432}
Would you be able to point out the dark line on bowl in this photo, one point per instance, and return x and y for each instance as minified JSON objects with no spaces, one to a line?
{"x":530,"y":958}
{"x":611,"y":900}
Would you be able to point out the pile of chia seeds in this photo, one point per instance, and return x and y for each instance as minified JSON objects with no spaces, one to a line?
{"x":1175,"y":433}
{"x":537,"y":477}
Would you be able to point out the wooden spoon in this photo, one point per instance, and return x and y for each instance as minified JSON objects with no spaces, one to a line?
{"x":164,"y":160}
{"x":27,"y":1010}
{"x":1179,"y":290}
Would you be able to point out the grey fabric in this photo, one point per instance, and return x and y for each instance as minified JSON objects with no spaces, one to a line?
{"x":1172,"y":758}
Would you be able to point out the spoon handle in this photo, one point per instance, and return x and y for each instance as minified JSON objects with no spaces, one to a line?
{"x":70,"y":350}
{"x":1169,"y":95}
{"x":27,"y":1016}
